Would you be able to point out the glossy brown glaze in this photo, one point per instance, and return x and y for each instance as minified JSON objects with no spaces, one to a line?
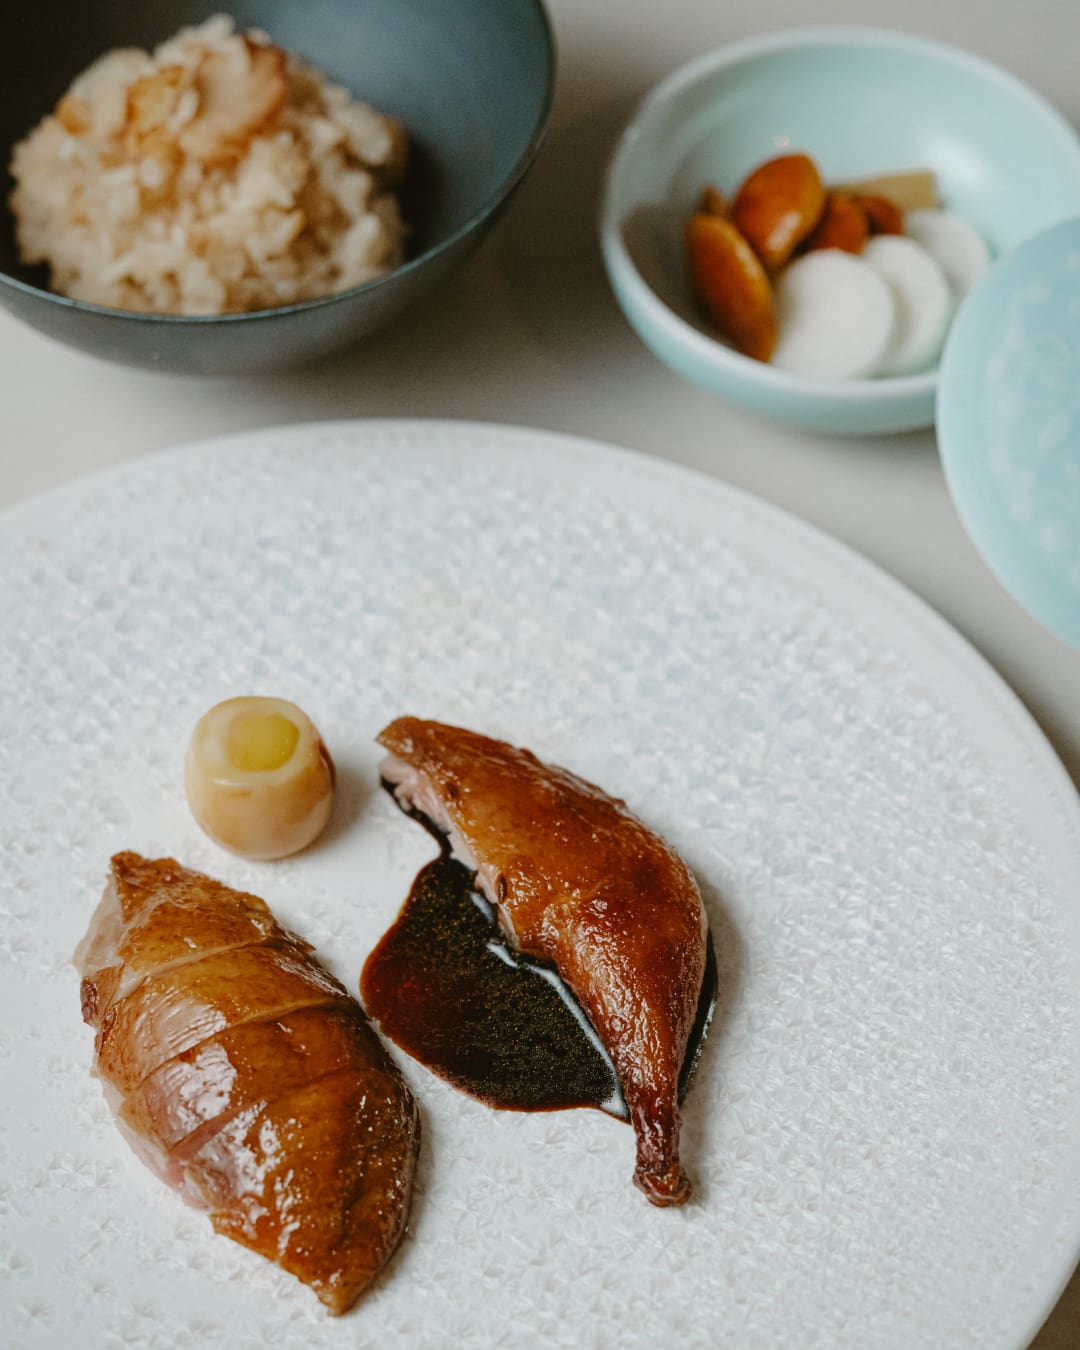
{"x":443,"y":985}
{"x":244,"y":1074}
{"x":778,"y":205}
{"x":580,"y":882}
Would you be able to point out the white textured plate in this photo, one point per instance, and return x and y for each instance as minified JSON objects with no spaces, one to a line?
{"x":885,"y":1130}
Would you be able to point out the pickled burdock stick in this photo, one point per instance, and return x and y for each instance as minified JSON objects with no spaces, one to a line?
{"x":911,"y":190}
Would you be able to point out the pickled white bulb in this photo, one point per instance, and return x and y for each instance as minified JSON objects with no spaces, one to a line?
{"x":259,"y":780}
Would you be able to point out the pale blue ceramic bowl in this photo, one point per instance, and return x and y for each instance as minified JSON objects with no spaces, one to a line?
{"x":860,"y":102}
{"x":1008,"y":422}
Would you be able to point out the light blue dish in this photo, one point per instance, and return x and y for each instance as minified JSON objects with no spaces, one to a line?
{"x":860,"y":102}
{"x":1008,"y":420}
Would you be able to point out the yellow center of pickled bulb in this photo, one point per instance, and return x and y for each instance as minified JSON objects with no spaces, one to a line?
{"x":258,"y":742}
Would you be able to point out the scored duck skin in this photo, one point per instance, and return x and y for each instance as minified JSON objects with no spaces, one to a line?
{"x":579,"y":881}
{"x":245,"y":1076}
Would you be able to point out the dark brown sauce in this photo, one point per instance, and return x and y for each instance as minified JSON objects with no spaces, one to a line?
{"x":445,"y":988}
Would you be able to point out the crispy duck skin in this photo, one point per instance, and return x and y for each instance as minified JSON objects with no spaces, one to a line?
{"x":578,"y":881}
{"x":244,"y":1075}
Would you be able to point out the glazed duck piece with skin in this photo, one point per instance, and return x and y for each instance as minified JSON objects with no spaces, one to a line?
{"x":578,"y":881}
{"x":243,"y":1074}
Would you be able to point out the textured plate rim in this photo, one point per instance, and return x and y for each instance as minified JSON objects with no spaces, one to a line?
{"x":701,"y":496}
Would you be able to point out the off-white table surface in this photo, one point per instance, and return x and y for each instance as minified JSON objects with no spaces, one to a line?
{"x":529,"y":333}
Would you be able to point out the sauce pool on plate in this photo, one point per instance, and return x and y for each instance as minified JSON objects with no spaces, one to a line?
{"x":444,"y":986}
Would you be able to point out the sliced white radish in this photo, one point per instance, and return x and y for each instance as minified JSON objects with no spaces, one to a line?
{"x":958,"y":248}
{"x":924,"y":302}
{"x":835,"y":316}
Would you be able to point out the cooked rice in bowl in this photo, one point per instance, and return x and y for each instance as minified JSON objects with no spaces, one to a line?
{"x":219,"y":174}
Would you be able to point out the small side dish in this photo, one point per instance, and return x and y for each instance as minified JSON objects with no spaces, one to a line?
{"x":847,"y":281}
{"x":577,"y":881}
{"x":259,"y":779}
{"x":217,"y":174}
{"x":243,"y":1075}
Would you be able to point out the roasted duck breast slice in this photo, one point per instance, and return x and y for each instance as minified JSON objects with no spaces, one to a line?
{"x":243,"y":1074}
{"x":579,"y":881}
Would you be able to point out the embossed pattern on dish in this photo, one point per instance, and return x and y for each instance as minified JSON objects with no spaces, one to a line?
{"x":1034,"y":414}
{"x":885,"y":1125}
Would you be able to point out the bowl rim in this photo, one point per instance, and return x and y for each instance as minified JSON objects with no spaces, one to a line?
{"x":623,"y":271}
{"x":487,"y":208}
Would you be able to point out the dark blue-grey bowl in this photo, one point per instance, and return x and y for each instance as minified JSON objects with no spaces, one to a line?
{"x":471,"y":79}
